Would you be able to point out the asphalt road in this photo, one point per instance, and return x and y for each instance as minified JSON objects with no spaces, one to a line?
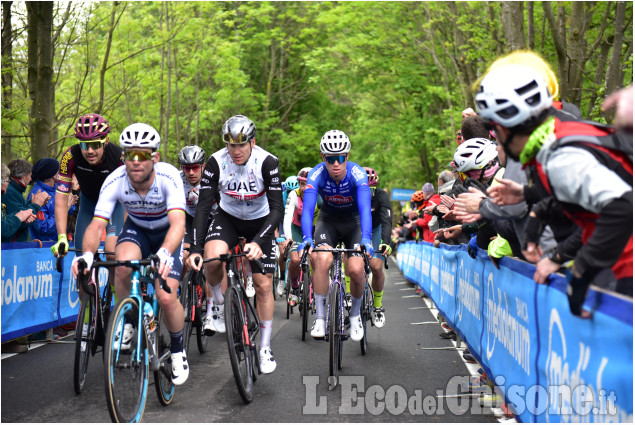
{"x":396,"y":381}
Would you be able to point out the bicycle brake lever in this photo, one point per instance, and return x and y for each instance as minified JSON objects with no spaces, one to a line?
{"x":60,"y":257}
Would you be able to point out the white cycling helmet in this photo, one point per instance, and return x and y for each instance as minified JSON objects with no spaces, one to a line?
{"x":140,"y":135}
{"x":474,"y":154}
{"x":335,"y":142}
{"x":513,"y":95}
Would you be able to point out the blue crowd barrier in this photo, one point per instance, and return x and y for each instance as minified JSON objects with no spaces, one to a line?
{"x":35,"y":296}
{"x":550,"y":365}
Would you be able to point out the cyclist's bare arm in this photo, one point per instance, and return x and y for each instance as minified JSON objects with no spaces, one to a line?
{"x":61,"y":212}
{"x":92,"y":239}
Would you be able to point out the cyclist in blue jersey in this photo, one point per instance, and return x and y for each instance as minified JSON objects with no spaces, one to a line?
{"x":152,"y":194}
{"x":345,"y":216}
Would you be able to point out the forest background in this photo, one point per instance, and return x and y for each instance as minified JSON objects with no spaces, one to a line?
{"x":394,"y":76}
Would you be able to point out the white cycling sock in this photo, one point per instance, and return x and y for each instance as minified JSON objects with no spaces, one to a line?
{"x":217,"y":292}
{"x":210,"y":303}
{"x":266,"y":326}
{"x":355,"y":306}
{"x":320,"y":306}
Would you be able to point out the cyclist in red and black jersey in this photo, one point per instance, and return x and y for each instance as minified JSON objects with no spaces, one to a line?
{"x":91,"y":161}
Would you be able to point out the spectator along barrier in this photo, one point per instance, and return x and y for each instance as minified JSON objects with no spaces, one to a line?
{"x":35,"y":296}
{"x":550,"y":365}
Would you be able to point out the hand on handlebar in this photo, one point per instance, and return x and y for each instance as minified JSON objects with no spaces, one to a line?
{"x":252,"y":251}
{"x":369,"y":247}
{"x":88,"y":259}
{"x":165,"y":263}
{"x":385,"y":249}
{"x":195,"y":261}
{"x":307,"y":243}
{"x":61,"y":247}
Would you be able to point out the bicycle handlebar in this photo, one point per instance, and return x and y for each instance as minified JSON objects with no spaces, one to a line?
{"x":154,"y":259}
{"x":226,"y":258}
{"x":63,"y":251}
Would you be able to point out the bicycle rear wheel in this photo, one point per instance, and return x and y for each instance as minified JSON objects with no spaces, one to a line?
{"x":126,"y":370}
{"x":163,"y":377}
{"x":240,"y":352}
{"x":83,"y":341}
{"x":304,"y":302}
{"x":335,"y":335}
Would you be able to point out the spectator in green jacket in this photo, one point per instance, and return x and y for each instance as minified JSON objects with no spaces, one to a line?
{"x":13,"y":201}
{"x":11,"y":222}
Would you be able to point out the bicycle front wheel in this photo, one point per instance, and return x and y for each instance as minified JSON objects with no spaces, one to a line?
{"x":186,"y":301}
{"x":84,"y":337}
{"x":365,"y":315}
{"x":163,"y":377}
{"x":335,"y":335}
{"x":304,"y":303}
{"x":126,"y":363}
{"x":237,"y":342}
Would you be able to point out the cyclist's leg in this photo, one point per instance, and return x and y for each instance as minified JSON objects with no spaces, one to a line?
{"x":354,"y":263}
{"x":326,"y":237}
{"x":220,"y":236}
{"x":376,"y":264}
{"x":294,"y":263}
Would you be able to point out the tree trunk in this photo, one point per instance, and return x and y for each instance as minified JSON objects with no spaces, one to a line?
{"x":40,"y":23}
{"x":560,"y":43}
{"x":614,"y":70}
{"x":7,"y":74}
{"x":176,"y":109}
{"x":531,"y":32}
{"x":576,"y":50}
{"x":168,"y":97}
{"x":104,"y":64}
{"x":512,"y":18}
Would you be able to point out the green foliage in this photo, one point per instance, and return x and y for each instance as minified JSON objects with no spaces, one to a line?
{"x":394,"y":75}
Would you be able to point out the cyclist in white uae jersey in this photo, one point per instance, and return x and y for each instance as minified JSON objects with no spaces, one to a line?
{"x":152,"y":194}
{"x":245,"y":178}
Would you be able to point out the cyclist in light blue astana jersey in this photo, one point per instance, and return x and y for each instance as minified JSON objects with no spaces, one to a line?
{"x":152,"y":194}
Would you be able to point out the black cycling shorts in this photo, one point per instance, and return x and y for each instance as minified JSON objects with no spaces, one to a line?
{"x":228,"y":228}
{"x":333,"y":229}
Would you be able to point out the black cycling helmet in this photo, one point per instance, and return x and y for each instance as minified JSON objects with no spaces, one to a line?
{"x":192,"y":155}
{"x":238,"y":130}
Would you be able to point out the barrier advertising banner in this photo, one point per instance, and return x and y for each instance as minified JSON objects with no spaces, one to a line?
{"x":35,"y":296}
{"x":550,"y":365}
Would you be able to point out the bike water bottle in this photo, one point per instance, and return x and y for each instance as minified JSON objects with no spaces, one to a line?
{"x":148,"y":317}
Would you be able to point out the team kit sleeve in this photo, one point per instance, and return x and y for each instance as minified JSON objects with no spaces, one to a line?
{"x":385,"y":215}
{"x":207,"y":195}
{"x":273,"y":189}
{"x":64,"y":176}
{"x":292,"y":204}
{"x":309,"y":200}
{"x":363,"y":200}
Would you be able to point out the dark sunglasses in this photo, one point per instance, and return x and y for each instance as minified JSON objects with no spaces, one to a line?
{"x":188,"y":168}
{"x":137,"y":155}
{"x":94,"y":144}
{"x":339,"y":158}
{"x":239,"y":139}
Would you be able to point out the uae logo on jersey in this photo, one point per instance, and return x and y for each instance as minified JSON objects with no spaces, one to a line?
{"x":339,"y":199}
